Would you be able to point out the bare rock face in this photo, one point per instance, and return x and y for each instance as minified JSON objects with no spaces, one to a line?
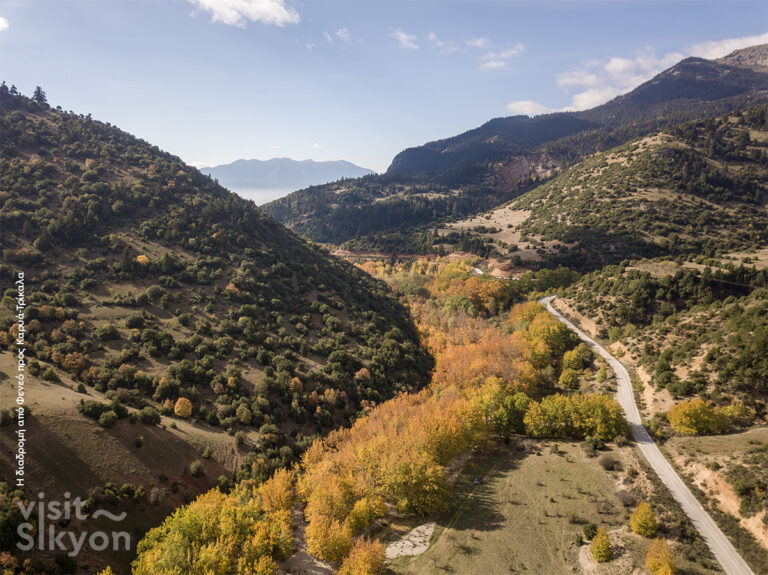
{"x":754,"y":57}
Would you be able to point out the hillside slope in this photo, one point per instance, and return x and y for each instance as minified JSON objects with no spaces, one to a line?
{"x":699,"y":188}
{"x":156,"y":296}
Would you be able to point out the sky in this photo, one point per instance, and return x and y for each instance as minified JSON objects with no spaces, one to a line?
{"x":216,"y":80}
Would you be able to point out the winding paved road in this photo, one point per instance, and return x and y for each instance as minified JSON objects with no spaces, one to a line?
{"x":721,"y":547}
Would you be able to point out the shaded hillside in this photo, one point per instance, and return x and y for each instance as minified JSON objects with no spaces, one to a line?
{"x":469,"y":173}
{"x":151,"y":288}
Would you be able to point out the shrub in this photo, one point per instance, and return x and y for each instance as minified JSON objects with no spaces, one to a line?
{"x":108,"y":418}
{"x":139,"y":442}
{"x":625,"y":498}
{"x":643,"y":520}
{"x":50,"y":375}
{"x":590,"y":530}
{"x":149,"y":416}
{"x":196,"y":468}
{"x":601,"y":546}
{"x":608,"y":462}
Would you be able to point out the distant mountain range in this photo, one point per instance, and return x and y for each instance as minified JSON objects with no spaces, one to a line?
{"x":506,"y":157}
{"x":281,"y":174}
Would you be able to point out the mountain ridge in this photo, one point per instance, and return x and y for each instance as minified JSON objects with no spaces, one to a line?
{"x":282,"y":172}
{"x":468,"y":173}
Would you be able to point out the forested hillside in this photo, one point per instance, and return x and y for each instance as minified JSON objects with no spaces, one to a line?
{"x":699,"y":188}
{"x":156,"y":295}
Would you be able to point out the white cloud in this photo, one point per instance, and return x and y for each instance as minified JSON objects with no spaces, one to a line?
{"x":407,"y":41}
{"x":239,"y":12}
{"x":343,"y":35}
{"x":480,"y":43}
{"x":527,"y":108}
{"x":599,"y":81}
{"x":317,"y":146}
{"x":493,"y":65}
{"x":3,"y":24}
{"x":498,"y":60}
{"x":720,"y":48}
{"x":442,"y":46}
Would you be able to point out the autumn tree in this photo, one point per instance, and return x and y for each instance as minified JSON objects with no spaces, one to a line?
{"x":643,"y":520}
{"x":697,"y":417}
{"x":601,"y":546}
{"x":183,"y":407}
{"x":569,"y":378}
{"x":365,"y":558}
{"x":660,"y":559}
{"x":328,"y":539}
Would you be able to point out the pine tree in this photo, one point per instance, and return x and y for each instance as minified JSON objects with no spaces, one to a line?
{"x":39,"y":96}
{"x":601,"y":546}
{"x":660,"y":560}
{"x":643,"y":520}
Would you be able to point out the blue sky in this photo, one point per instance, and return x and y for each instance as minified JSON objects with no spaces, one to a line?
{"x":217,"y":80}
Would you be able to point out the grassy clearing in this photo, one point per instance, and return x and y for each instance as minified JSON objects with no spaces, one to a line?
{"x":524,"y":516}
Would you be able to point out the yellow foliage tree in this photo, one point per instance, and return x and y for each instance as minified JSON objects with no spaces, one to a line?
{"x":365,"y":558}
{"x":328,"y":538}
{"x":601,"y":546}
{"x":183,"y":407}
{"x":697,"y":417}
{"x":277,"y":492}
{"x":660,"y":559}
{"x":643,"y":520}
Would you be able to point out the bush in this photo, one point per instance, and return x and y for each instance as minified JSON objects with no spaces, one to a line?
{"x":590,"y":530}
{"x":108,"y":418}
{"x":608,"y":462}
{"x":625,"y":498}
{"x":601,"y":546}
{"x":50,"y":375}
{"x":196,"y":468}
{"x":139,"y":442}
{"x":149,"y":416}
